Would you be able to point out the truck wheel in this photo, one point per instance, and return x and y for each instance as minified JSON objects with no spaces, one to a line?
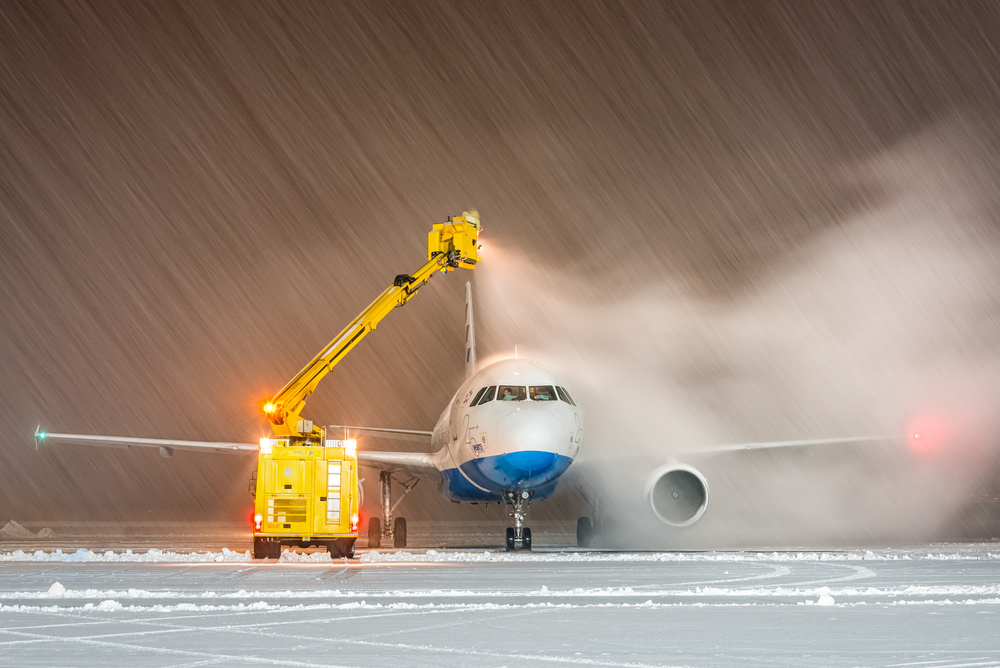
{"x":343,"y":547}
{"x":260,"y":548}
{"x":265,"y":548}
{"x":275,"y":552}
{"x":375,"y":532}
{"x":584,"y":532}
{"x":399,"y":532}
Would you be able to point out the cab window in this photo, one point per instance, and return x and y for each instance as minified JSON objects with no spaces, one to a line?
{"x":511,"y":393}
{"x":479,"y":395}
{"x":541,"y":393}
{"x":564,"y":395}
{"x":484,"y":396}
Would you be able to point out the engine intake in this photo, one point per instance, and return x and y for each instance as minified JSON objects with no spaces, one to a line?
{"x":678,"y":495}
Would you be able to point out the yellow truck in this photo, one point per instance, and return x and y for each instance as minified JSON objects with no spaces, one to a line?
{"x":306,"y":486}
{"x":305,"y":495}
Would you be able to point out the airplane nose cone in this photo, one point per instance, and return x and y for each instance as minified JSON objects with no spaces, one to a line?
{"x":529,"y":440}
{"x":530,"y":457}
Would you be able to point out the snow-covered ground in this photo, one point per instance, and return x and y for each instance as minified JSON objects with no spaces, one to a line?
{"x":928,"y":607}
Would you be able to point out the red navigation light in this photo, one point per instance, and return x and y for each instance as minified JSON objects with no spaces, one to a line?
{"x":927,"y":434}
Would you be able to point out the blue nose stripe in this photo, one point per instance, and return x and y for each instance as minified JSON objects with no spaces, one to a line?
{"x":528,"y":469}
{"x":528,"y":462}
{"x":484,"y":479}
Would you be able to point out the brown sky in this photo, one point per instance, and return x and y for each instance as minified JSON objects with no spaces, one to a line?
{"x":195,"y":196}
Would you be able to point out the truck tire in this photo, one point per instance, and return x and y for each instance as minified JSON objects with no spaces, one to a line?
{"x":399,"y":532}
{"x":340,"y":548}
{"x":265,"y":548}
{"x":375,"y":532}
{"x":260,"y":548}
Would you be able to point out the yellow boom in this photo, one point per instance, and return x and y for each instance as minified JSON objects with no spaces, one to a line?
{"x":449,"y":245}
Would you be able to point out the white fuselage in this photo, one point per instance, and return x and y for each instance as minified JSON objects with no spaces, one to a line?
{"x":487,"y":443}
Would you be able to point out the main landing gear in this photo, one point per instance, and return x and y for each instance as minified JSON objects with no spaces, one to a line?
{"x":586,"y":528}
{"x":584,"y":532}
{"x":518,"y":535}
{"x":386,"y":527}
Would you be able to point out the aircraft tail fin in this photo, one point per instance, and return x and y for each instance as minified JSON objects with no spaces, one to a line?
{"x":470,"y":333}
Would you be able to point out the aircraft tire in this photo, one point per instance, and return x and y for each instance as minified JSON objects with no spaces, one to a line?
{"x":399,"y":533}
{"x":510,"y":539}
{"x":584,"y":532}
{"x":375,"y":532}
{"x":526,"y":538}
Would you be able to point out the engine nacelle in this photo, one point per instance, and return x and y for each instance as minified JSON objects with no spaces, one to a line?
{"x":678,"y":494}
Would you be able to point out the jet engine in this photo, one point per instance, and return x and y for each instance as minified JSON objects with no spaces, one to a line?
{"x":678,"y":494}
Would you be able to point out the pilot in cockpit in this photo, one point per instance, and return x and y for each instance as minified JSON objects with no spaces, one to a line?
{"x":540,"y":393}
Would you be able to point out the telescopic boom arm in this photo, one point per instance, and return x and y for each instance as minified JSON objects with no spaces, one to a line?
{"x":449,"y":245}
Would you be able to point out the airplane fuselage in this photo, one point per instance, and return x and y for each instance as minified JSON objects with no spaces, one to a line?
{"x":511,"y":427}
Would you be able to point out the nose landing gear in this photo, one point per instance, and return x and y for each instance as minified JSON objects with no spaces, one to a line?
{"x":518,"y":535}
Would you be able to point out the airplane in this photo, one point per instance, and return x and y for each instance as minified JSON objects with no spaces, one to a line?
{"x":507,"y":435}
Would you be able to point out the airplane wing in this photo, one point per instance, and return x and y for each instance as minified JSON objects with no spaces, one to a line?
{"x":166,"y":446}
{"x":600,"y":459}
{"x":816,"y":442}
{"x":414,"y":463}
{"x":418,"y":464}
{"x":380,"y":432}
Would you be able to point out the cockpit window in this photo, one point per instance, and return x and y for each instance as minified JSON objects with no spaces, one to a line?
{"x":564,"y":395}
{"x":479,"y":395}
{"x":512,"y":393}
{"x":487,"y":396}
{"x":541,"y":393}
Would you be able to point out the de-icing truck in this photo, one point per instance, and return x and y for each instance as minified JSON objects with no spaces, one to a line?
{"x":306,"y":485}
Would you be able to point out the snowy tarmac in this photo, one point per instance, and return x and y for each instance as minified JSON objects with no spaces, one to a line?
{"x":926,"y":607}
